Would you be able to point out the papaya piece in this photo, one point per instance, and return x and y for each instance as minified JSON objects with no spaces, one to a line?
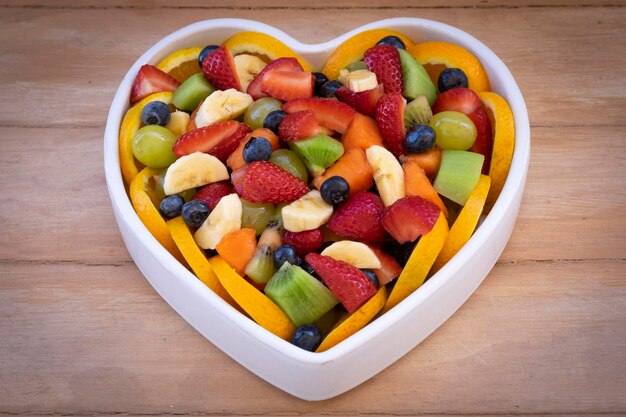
{"x":429,"y":161}
{"x":362,"y":133}
{"x":235,"y":160}
{"x":354,"y":168}
{"x":237,"y":248}
{"x":417,"y":183}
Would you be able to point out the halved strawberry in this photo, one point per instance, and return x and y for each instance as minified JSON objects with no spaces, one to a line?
{"x":359,"y":218}
{"x":458,"y":99}
{"x":280,"y":64}
{"x":212,"y":193}
{"x":330,"y":113}
{"x":390,"y":120}
{"x":390,"y":268}
{"x":219,"y":140}
{"x":150,"y":80}
{"x":409,"y":218}
{"x":363,"y":102}
{"x":484,"y":139}
{"x":347,"y":282}
{"x":219,"y":68}
{"x":288,"y":85}
{"x":299,"y":125}
{"x":304,"y":242}
{"x":384,"y":61}
{"x":268,"y":183}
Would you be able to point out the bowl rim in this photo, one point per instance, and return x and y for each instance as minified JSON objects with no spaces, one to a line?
{"x":512,"y":187}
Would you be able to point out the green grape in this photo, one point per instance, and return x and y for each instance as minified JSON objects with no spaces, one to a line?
{"x":290,"y":162}
{"x":453,"y":130}
{"x":256,"y":215}
{"x":255,"y":114}
{"x":356,"y":65}
{"x":152,"y":146}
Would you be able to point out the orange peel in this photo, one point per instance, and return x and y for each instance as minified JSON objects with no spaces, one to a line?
{"x":181,"y":64}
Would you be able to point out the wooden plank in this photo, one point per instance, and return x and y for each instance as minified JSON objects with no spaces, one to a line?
{"x":86,"y":339}
{"x":549,"y":61}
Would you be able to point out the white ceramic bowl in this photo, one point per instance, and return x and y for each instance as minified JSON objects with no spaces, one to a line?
{"x":317,"y":376}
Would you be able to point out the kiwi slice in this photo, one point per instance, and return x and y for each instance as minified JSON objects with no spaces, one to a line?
{"x":415,"y":79}
{"x":261,"y":267}
{"x":191,"y":92}
{"x":417,"y":112}
{"x":303,"y":298}
{"x":458,"y":174}
{"x":318,"y":152}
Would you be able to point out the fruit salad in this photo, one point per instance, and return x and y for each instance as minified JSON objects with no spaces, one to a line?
{"x":315,"y":200}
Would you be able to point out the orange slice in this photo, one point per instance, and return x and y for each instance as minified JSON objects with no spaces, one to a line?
{"x":141,"y":196}
{"x":130,"y":125}
{"x":264,"y":46}
{"x":419,"y":263}
{"x":353,"y":48}
{"x":465,"y":223}
{"x":260,"y":308}
{"x":436,"y":56}
{"x":354,"y":322}
{"x":181,"y":64}
{"x":503,"y":141}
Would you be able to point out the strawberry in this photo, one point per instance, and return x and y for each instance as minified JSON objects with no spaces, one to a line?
{"x":484,"y":139}
{"x":347,"y":282}
{"x":390,"y":268}
{"x":237,"y":177}
{"x":363,"y":102}
{"x":219,"y":140}
{"x":212,"y":193}
{"x":384,"y":61}
{"x":458,"y":99}
{"x":150,"y":80}
{"x":268,"y":183}
{"x":219,"y":68}
{"x":280,"y":64}
{"x":390,"y":120}
{"x":330,"y":113}
{"x":359,"y":218}
{"x":304,"y":242}
{"x":409,"y":218}
{"x":299,"y":125}
{"x":288,"y":85}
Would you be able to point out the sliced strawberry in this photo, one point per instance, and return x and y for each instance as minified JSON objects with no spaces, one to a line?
{"x":390,"y":120}
{"x":458,"y":99}
{"x":484,"y":139}
{"x":384,"y":61}
{"x":219,"y":68}
{"x":212,"y":193}
{"x":390,"y":268}
{"x":288,"y":85}
{"x":363,"y":102}
{"x":219,"y":140}
{"x":359,"y":218}
{"x":347,"y":282}
{"x":304,"y":242}
{"x":409,"y":218}
{"x":299,"y":125}
{"x":268,"y":183}
{"x":237,"y":178}
{"x":150,"y":80}
{"x":280,"y":64}
{"x":330,"y":113}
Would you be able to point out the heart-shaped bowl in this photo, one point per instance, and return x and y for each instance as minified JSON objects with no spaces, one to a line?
{"x":307,"y":375}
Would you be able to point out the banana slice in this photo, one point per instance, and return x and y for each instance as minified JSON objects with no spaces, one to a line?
{"x":248,"y":67}
{"x":225,"y":218}
{"x":220,"y":106}
{"x":388,"y":174}
{"x":178,"y":123}
{"x":193,"y":170}
{"x":354,"y":253}
{"x":307,"y":213}
{"x":361,"y":80}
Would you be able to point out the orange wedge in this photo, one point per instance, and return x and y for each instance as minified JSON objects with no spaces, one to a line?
{"x":354,"y":322}
{"x":503,"y":141}
{"x":130,"y":125}
{"x":260,"y":308}
{"x":181,"y":64}
{"x":419,"y":263}
{"x":436,"y":56}
{"x":264,"y":46}
{"x":465,"y":223}
{"x":353,"y":48}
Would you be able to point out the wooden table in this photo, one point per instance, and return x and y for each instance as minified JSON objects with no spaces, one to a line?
{"x":83,"y":333}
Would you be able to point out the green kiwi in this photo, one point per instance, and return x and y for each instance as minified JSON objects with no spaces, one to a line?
{"x":415,"y":79}
{"x":458,"y":174}
{"x":318,"y":152}
{"x":191,"y":92}
{"x":261,"y":267}
{"x":256,"y":215}
{"x":417,"y":112}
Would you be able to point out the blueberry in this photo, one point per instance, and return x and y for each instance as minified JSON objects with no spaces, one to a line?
{"x":207,"y":50}
{"x":195,"y":213}
{"x":372,"y":277}
{"x":419,"y":139}
{"x":273,"y":119}
{"x":401,"y":252}
{"x":307,"y":337}
{"x":286,"y":253}
{"x":257,"y":149}
{"x":328,"y":89}
{"x":171,"y":206}
{"x":309,"y":270}
{"x":155,"y":113}
{"x":451,"y":78}
{"x":393,"y":41}
{"x":320,"y":79}
{"x":335,"y":190}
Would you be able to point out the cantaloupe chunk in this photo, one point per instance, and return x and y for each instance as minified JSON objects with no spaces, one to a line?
{"x":362,"y":133}
{"x":354,"y":168}
{"x":237,"y":248}
{"x":417,"y":183}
